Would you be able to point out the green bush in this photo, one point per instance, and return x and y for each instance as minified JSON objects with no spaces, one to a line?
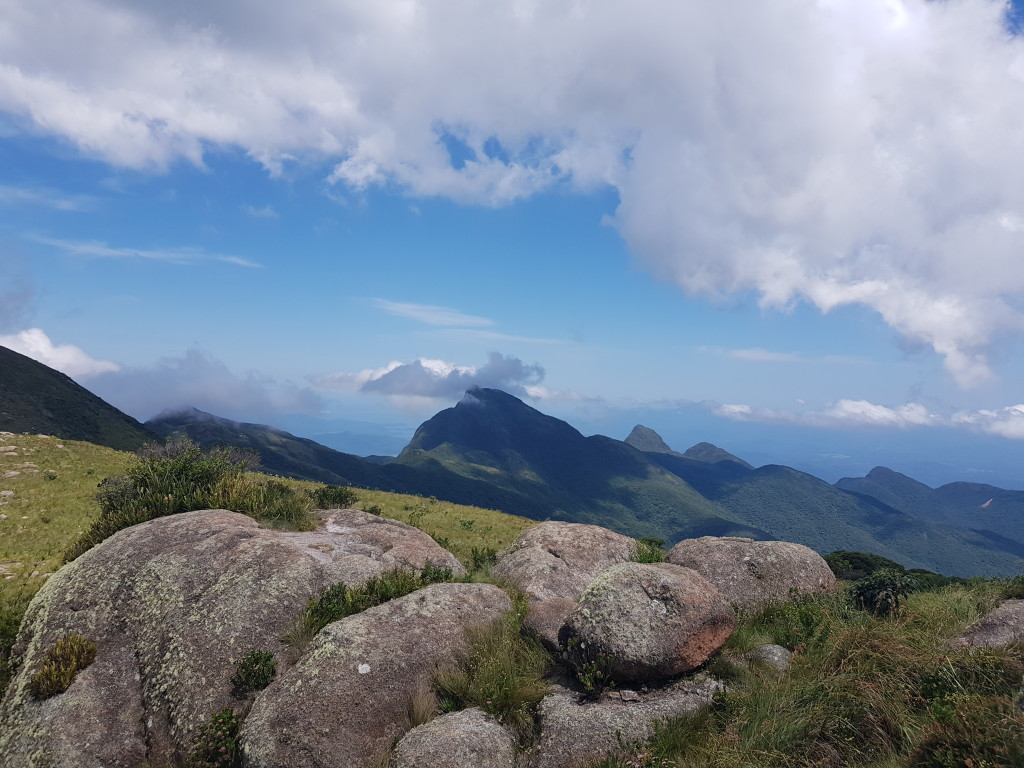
{"x":649,"y":550}
{"x":333,"y":497}
{"x":882,"y":592}
{"x":179,"y":477}
{"x":70,"y":655}
{"x":254,"y":671}
{"x":216,"y":744}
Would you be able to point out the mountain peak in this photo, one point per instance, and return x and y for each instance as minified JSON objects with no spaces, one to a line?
{"x":646,"y":439}
{"x":712,"y":454}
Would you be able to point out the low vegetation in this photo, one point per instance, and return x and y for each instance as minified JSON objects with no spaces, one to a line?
{"x":339,"y":600}
{"x":69,"y":655}
{"x":863,"y":691}
{"x":254,"y":671}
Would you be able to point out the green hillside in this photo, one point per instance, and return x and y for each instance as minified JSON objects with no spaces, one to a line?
{"x":37,"y":399}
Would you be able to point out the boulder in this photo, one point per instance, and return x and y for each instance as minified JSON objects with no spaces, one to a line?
{"x":556,"y":559}
{"x":1000,"y":628}
{"x":648,"y":621}
{"x":466,"y":739}
{"x":772,"y":656}
{"x":750,"y":573}
{"x":345,"y":702}
{"x":545,"y":620}
{"x":171,"y":605}
{"x":572,"y":734}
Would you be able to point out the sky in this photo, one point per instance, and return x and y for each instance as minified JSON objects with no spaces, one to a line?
{"x":793,"y":228}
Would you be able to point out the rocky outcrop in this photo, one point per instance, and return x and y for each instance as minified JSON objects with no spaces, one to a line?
{"x":574,"y":734}
{"x":171,"y":605}
{"x":1000,"y":628}
{"x":466,"y":739}
{"x":545,"y":620}
{"x":557,"y":559}
{"x":345,"y":701}
{"x":647,"y":622}
{"x":750,"y":573}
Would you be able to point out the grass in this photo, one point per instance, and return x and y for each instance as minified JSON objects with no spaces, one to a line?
{"x":69,"y":655}
{"x":503,"y":673}
{"x":863,"y":692}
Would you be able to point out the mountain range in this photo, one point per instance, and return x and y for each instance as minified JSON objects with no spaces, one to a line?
{"x":492,"y":450}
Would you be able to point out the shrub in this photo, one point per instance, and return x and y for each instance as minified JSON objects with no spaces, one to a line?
{"x":333,"y":497}
{"x":649,"y":550}
{"x":70,"y":655}
{"x":269,"y":501}
{"x":882,"y":592}
{"x":216,"y":744}
{"x":254,"y":671}
{"x":591,"y":668}
{"x":374,"y":509}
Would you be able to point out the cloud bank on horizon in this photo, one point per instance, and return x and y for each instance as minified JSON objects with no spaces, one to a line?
{"x":834,"y":152}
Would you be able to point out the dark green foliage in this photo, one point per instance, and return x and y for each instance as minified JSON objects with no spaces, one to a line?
{"x":374,"y":509}
{"x":882,"y":592}
{"x":70,"y":654}
{"x":333,"y":497}
{"x":1012,"y":589}
{"x":338,"y":600}
{"x":216,"y":745}
{"x":254,"y":671}
{"x":270,"y":501}
{"x":484,"y":558}
{"x":502,"y":673}
{"x":649,"y":550}
{"x":856,"y":565}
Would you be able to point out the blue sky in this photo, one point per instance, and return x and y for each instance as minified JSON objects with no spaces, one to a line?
{"x":794,"y":228}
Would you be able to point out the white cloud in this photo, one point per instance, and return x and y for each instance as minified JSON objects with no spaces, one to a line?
{"x":200,"y":381}
{"x":98,"y":250}
{"x":66,"y":358}
{"x":266,"y":212}
{"x":428,"y":378}
{"x":835,"y":152}
{"x":46,"y":198}
{"x":431,"y":315}
{"x":1005,"y":422}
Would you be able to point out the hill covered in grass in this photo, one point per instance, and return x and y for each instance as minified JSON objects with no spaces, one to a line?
{"x":35,"y":398}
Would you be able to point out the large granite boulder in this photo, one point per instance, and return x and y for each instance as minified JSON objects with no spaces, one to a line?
{"x":345,"y":702}
{"x":466,"y":739}
{"x":1000,"y":628}
{"x":647,"y":622}
{"x":171,"y":605}
{"x":558,"y":560}
{"x":750,"y":573}
{"x":572,"y":734}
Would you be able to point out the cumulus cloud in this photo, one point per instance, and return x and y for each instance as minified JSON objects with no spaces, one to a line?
{"x":200,"y":381}
{"x":426,"y":378}
{"x":66,"y":358}
{"x":827,"y":151}
{"x":431,"y":315}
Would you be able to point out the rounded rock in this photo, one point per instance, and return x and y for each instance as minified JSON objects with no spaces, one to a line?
{"x":750,"y":573}
{"x":648,"y":622}
{"x":466,"y":739}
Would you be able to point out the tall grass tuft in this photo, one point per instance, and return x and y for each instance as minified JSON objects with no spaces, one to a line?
{"x":69,"y":655}
{"x":502,"y":673}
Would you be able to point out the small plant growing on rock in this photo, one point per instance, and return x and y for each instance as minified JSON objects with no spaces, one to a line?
{"x":649,"y":550}
{"x":333,"y":497}
{"x":216,"y":745}
{"x":591,"y":668}
{"x":70,"y":655}
{"x":254,"y":671}
{"x":882,"y":592}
